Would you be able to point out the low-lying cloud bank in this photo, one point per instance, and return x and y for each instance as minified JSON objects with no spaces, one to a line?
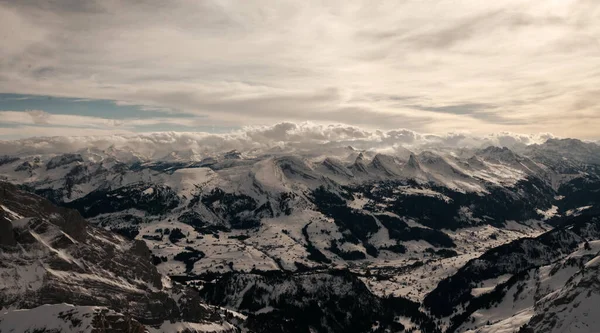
{"x":284,"y":136}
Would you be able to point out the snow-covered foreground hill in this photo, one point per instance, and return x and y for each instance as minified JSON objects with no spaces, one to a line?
{"x":50,"y":257}
{"x":285,"y":236}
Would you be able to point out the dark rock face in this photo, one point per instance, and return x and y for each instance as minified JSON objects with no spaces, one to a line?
{"x":61,"y":259}
{"x":28,"y":205}
{"x":7,"y":238}
{"x":61,"y":160}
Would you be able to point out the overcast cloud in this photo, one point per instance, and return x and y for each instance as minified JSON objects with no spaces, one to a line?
{"x":480,"y":67}
{"x":288,"y":137}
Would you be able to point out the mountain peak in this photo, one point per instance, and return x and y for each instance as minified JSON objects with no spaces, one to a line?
{"x":385,"y":163}
{"x":233,"y":155}
{"x":359,"y":164}
{"x":499,"y":154}
{"x":428,"y":157}
{"x":336,"y":166}
{"x":413,"y":162}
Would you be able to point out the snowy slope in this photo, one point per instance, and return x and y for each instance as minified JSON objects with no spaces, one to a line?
{"x":530,"y":284}
{"x":67,"y":318}
{"x":51,"y":255}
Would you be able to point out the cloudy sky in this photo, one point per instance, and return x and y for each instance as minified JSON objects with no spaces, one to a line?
{"x":123,"y":67}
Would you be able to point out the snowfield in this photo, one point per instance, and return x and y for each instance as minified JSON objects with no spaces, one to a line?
{"x":505,"y":240}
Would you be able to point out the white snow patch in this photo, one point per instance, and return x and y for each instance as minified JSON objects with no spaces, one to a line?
{"x":576,"y":211}
{"x":358,"y":203}
{"x":47,"y":318}
{"x":406,"y":190}
{"x":13,"y":215}
{"x":177,"y":327}
{"x":549,"y":213}
{"x":508,"y":325}
{"x":489,"y":285}
{"x":148,"y":191}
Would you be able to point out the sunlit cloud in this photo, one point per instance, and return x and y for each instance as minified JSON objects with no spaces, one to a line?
{"x":521,"y":66}
{"x":284,"y":137}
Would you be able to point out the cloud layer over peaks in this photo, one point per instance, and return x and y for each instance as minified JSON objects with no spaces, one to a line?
{"x":255,"y":140}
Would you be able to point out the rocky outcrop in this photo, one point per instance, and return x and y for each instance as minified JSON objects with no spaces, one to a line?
{"x":573,"y":307}
{"x":61,"y":160}
{"x":51,"y":255}
{"x":7,"y":237}
{"x":25,"y":204}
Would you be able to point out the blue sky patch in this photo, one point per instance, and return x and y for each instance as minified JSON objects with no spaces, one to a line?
{"x":83,"y":107}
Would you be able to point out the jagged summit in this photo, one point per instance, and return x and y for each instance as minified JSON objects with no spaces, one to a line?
{"x":360,"y":164}
{"x":499,"y":155}
{"x":62,"y":160}
{"x":493,"y":150}
{"x":386,"y":164}
{"x":337,"y":167}
{"x":429,"y":157}
{"x":413,"y":162}
{"x":232,"y":155}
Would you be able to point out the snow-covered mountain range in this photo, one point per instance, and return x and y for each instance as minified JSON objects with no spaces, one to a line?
{"x":337,"y":239}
